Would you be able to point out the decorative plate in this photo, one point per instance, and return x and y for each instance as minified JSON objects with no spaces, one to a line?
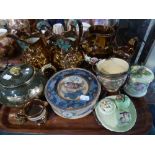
{"x":72,"y":89}
{"x":104,"y":120}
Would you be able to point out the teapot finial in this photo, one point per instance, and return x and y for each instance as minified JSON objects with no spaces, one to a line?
{"x":15,"y":71}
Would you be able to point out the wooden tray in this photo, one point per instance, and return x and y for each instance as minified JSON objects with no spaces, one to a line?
{"x":85,"y":126}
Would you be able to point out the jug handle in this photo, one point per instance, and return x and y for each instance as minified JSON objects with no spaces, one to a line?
{"x":79,"y":22}
{"x":47,"y":66}
{"x":21,"y":117}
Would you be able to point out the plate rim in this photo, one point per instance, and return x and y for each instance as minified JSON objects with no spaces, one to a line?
{"x":98,"y":83}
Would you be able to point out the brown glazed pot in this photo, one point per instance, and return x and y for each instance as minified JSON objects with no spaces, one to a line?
{"x":98,"y":40}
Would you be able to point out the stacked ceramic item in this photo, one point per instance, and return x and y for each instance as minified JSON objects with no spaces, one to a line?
{"x":116,"y":113}
{"x":138,"y":81}
{"x":72,"y":93}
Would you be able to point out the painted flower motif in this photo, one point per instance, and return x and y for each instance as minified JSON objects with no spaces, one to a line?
{"x":140,"y":86}
{"x":138,"y":73}
{"x":125,"y":117}
{"x":63,"y":44}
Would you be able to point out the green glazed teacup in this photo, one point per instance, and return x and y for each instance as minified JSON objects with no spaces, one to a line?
{"x":122,"y":102}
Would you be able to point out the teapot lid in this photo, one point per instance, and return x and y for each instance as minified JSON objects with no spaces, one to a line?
{"x":141,"y":74}
{"x":16,"y":75}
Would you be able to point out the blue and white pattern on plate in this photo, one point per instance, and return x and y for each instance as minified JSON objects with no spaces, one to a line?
{"x":72,"y":89}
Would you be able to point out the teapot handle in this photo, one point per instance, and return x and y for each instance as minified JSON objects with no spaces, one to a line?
{"x":47,"y":66}
{"x":73,"y":24}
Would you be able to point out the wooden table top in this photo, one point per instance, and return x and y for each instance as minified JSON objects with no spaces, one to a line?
{"x":84,"y":126}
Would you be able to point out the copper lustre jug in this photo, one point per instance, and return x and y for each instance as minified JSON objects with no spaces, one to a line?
{"x":98,"y":40}
{"x":65,"y":47}
{"x":35,"y":51}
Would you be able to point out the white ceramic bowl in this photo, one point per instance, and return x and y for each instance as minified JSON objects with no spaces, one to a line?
{"x":3,"y":32}
{"x":112,"y":73}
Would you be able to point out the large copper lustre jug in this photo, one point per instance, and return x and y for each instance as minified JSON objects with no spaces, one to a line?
{"x":65,"y":47}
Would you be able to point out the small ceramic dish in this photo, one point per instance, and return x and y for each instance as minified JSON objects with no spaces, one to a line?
{"x":117,"y":120}
{"x":3,"y":32}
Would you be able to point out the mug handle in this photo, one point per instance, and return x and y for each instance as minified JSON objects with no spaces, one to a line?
{"x":47,"y":66}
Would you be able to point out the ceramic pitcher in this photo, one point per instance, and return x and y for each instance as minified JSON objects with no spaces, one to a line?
{"x":65,"y":48}
{"x":35,"y":51}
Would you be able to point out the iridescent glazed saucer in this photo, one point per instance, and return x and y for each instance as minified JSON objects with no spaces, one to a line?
{"x":72,"y":93}
{"x":113,"y":118}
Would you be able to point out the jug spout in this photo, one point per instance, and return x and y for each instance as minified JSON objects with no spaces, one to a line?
{"x":90,"y":60}
{"x":22,"y":44}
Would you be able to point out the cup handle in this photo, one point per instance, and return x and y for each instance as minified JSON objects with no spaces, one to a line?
{"x":47,"y":66}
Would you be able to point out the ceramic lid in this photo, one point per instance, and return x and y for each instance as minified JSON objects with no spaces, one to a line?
{"x":107,"y":106}
{"x":72,"y":89}
{"x":16,"y":75}
{"x":3,"y":32}
{"x":141,"y":74}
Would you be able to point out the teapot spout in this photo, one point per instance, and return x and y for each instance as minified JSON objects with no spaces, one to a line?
{"x":22,"y":44}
